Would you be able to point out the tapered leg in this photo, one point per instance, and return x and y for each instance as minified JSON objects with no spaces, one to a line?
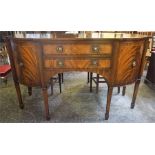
{"x":88,"y":78}
{"x":51,"y":83}
{"x":62,"y":76}
{"x":45,"y":96}
{"x":21,"y":105}
{"x":30,"y":91}
{"x":135,"y":93}
{"x":109,"y":95}
{"x":91,"y":75}
{"x":59,"y":76}
{"x":118,"y":90}
{"x":124,"y":90}
{"x":97,"y":83}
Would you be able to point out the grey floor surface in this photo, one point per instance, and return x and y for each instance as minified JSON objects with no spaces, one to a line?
{"x":76,"y":104}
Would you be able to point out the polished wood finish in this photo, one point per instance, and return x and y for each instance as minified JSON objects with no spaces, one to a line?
{"x":119,"y":60}
{"x":135,"y":93}
{"x":110,"y":89}
{"x":45,"y":96}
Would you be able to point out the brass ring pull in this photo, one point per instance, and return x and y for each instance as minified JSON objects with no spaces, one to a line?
{"x":134,"y":63}
{"x":95,"y":49}
{"x":21,"y":64}
{"x":94,"y":62}
{"x":60,"y":63}
{"x":59,"y":49}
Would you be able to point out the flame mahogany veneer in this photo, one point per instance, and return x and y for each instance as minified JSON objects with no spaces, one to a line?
{"x":119,"y":60}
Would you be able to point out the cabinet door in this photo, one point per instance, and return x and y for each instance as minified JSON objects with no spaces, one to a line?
{"x":129,"y":61}
{"x":26,"y":62}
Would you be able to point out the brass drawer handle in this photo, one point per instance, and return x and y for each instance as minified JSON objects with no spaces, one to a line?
{"x":59,"y":49}
{"x":95,"y":49}
{"x":60,"y":63}
{"x":94,"y":62}
{"x":21,"y":64}
{"x":134,"y":63}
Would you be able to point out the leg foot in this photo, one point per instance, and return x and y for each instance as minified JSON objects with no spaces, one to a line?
{"x":21,"y":106}
{"x":30,"y":91}
{"x":109,"y":95}
{"x":135,"y":93}
{"x":132,"y":105}
{"x":106,"y":116}
{"x":124,"y":90}
{"x":48,"y":118}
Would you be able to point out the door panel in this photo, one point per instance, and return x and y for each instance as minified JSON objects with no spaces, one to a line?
{"x":129,"y":57}
{"x":27,"y":63}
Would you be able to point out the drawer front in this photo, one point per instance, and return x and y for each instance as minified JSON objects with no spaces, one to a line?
{"x":76,"y":64}
{"x":105,"y":48}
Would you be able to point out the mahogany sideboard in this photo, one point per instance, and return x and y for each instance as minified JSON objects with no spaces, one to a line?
{"x":119,"y":60}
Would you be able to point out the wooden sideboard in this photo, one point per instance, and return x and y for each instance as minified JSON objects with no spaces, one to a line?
{"x":119,"y":60}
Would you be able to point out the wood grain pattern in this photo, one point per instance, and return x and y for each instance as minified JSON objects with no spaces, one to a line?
{"x":84,"y":48}
{"x":128,"y":62}
{"x":27,"y":63}
{"x":119,"y":61}
{"x":77,"y":64}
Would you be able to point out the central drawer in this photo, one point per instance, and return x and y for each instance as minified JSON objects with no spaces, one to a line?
{"x":105,"y":48}
{"x":76,"y":64}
